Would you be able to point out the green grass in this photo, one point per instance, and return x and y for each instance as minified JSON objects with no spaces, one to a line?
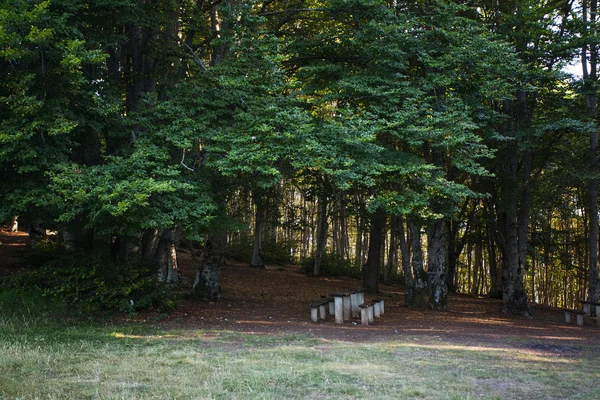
{"x":42,"y":358}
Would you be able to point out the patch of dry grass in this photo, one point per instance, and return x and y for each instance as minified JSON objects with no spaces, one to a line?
{"x":53,"y":361}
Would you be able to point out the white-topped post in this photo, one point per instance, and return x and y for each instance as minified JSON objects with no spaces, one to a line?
{"x":377,"y":309}
{"x":339,"y":310}
{"x":322,"y":312}
{"x":354,"y":304}
{"x":364,"y":315}
{"x":347,"y":307}
{"x":313,"y":315}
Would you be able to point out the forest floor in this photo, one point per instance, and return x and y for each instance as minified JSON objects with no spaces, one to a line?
{"x":485,"y":353}
{"x":276,"y":300}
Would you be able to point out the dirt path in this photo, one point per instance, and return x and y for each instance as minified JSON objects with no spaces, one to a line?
{"x":276,"y":301}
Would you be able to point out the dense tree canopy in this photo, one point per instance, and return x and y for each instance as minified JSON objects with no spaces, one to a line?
{"x":312,"y":130}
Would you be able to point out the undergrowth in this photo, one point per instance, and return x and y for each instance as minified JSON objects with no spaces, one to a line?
{"x":332,"y":265}
{"x":83,"y":283}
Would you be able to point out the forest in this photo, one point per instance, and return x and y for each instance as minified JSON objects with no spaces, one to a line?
{"x":450,"y":145}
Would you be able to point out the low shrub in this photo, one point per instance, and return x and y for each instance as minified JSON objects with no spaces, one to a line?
{"x":91,"y":283}
{"x":332,"y":265}
{"x":272,"y":252}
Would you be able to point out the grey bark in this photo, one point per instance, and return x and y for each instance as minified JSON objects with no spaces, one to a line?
{"x":14,"y":224}
{"x":166,"y":256}
{"x":419,"y":275}
{"x":590,"y":82}
{"x":436,"y":265}
{"x":210,"y":278}
{"x":408,"y":276}
{"x":392,"y":261}
{"x":257,"y":261}
{"x":321,"y":231}
{"x":373,"y":266}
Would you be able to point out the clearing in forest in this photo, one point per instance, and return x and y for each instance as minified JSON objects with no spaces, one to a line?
{"x":258,"y":342}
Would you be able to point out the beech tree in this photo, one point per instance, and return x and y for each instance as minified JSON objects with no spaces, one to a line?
{"x":139,"y":123}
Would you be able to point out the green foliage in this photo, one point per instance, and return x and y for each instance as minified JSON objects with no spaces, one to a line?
{"x":332,"y":265}
{"x":93,"y":283}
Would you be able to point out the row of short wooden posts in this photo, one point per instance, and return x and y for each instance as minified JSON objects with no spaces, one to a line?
{"x":345,"y":306}
{"x":580,"y":317}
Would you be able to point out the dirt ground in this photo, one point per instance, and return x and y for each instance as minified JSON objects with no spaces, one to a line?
{"x":276,"y":301}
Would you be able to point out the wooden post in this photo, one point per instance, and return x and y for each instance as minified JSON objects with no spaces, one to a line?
{"x":347,"y":307}
{"x":322,"y":312}
{"x":377,"y":309}
{"x":354,"y":304}
{"x":370,"y":314}
{"x":339,"y":311}
{"x":568,"y":316}
{"x":313,"y":314}
{"x":364,"y":314}
{"x":580,"y":319}
{"x":382,"y":307}
{"x":587,"y":309}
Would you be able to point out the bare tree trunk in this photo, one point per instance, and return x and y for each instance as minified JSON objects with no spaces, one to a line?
{"x":321,"y":230}
{"x":590,"y":82}
{"x":408,"y":276}
{"x":373,"y":265}
{"x":477,"y":267}
{"x":14,"y":224}
{"x":420,"y":277}
{"x":209,"y":285}
{"x":196,"y":255}
{"x":166,"y":257}
{"x":358,"y":246}
{"x":436,"y":265}
{"x":37,"y":231}
{"x":392,"y":261}
{"x":261,"y":214}
{"x":495,"y":283}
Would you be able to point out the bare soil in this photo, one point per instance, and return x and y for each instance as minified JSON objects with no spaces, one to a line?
{"x":276,"y":301}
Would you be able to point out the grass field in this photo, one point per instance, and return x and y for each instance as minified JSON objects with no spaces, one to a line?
{"x":41,"y":358}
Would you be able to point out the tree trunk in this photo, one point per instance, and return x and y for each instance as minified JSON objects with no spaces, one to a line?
{"x":261,"y":214}
{"x":392,"y":261}
{"x":477,"y":267}
{"x":196,"y":255}
{"x":14,"y":224}
{"x":419,"y":274}
{"x":358,"y":245}
{"x":150,"y":240}
{"x":321,"y":231}
{"x":409,"y":295}
{"x":436,"y":265}
{"x":514,"y":298}
{"x":590,"y":81}
{"x":373,"y":265}
{"x":209,"y":285}
{"x":166,"y":257}
{"x":37,"y":231}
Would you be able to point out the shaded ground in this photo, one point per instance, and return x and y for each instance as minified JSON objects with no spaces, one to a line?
{"x":11,"y":250}
{"x":276,"y":301}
